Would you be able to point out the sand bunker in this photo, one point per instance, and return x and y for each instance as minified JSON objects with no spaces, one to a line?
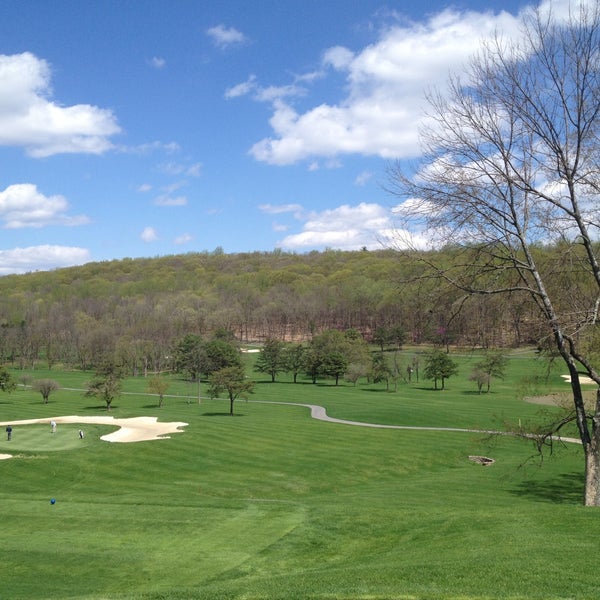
{"x":136,"y":429}
{"x":582,"y":379}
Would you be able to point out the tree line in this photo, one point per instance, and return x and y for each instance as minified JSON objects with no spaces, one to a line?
{"x":138,"y":309}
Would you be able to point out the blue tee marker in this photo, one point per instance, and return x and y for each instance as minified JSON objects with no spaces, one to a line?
{"x":53,"y":501}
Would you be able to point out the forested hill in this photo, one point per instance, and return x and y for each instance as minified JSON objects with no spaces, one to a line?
{"x":97,"y":306}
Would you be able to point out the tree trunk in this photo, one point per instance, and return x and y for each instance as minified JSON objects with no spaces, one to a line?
{"x":592,"y":460}
{"x":592,"y":491}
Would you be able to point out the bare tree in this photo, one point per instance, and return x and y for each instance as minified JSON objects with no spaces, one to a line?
{"x":511,"y":162}
{"x":45,"y":387}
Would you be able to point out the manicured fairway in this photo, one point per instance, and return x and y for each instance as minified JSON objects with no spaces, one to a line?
{"x":273,"y":504}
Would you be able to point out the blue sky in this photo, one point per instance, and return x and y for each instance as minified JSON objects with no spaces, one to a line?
{"x":144,"y":128}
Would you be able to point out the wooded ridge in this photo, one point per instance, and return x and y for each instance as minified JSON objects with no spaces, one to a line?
{"x":75,"y":315}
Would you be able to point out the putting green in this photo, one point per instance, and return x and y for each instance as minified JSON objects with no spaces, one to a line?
{"x":39,"y":437}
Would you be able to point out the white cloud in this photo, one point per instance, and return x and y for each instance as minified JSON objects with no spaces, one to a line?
{"x":145,"y":187}
{"x":338,"y":57}
{"x":149,"y":235}
{"x":224,"y":37}
{"x":272,"y":93}
{"x":41,"y":258}
{"x":309,"y":77}
{"x":166,"y":200}
{"x":22,"y":205}
{"x":242,"y":89}
{"x":184,"y":238}
{"x":194,"y":170}
{"x":363,"y":178}
{"x":386,"y":83}
{"x":345,"y":228}
{"x":149,"y":147}
{"x":157,"y":62}
{"x":277,"y":209}
{"x":173,"y":168}
{"x":275,"y":93}
{"x":28,"y":118}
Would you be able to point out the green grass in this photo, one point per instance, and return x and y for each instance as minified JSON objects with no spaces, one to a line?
{"x":271,"y":504}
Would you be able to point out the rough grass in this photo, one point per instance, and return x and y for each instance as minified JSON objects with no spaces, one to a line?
{"x":271,"y":504}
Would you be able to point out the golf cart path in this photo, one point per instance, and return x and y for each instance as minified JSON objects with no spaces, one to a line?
{"x":319,"y":413}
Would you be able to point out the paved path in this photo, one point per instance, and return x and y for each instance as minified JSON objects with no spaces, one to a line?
{"x":319,"y":413}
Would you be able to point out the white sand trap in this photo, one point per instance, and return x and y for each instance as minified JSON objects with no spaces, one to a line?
{"x":583,"y":380}
{"x":135,"y":429}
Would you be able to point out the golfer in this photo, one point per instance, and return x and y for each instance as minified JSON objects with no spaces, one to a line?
{"x":9,"y":432}
{"x":53,"y":425}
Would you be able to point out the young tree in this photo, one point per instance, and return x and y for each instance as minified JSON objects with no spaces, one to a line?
{"x":334,"y":364}
{"x":271,"y":358}
{"x":380,"y":369}
{"x":190,"y":356}
{"x":492,"y":365}
{"x":439,"y":366}
{"x":382,"y":337}
{"x":312,"y":363}
{"x":45,"y":387}
{"x":293,"y":359}
{"x":397,"y":336}
{"x":480,"y":377}
{"x":355,"y":371}
{"x":7,"y":383}
{"x":330,"y":352}
{"x":231,"y":380}
{"x":159,"y":386}
{"x":510,"y":162}
{"x":106,"y":383}
{"x":221,"y":355}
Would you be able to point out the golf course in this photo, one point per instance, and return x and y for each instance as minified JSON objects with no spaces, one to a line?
{"x":273,"y":503}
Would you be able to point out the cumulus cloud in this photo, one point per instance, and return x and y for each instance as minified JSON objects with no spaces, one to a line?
{"x":223,"y":37}
{"x":149,"y":235}
{"x":346,"y":228}
{"x":41,"y":258}
{"x":22,"y":205}
{"x":28,"y":118}
{"x":386,"y":82}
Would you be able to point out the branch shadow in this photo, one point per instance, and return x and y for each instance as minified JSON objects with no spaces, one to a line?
{"x":566,"y":489}
{"x":101,"y":407}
